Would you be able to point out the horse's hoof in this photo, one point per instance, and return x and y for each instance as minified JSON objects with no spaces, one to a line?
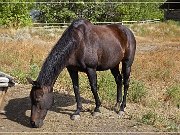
{"x":2,"y":112}
{"x":96,"y":114}
{"x":121,"y":113}
{"x":116,"y":109}
{"x":75,"y":117}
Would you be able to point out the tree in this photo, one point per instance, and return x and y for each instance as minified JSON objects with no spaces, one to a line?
{"x":54,"y":11}
{"x":15,"y":13}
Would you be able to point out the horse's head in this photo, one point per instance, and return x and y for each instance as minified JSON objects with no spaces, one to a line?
{"x":41,"y":101}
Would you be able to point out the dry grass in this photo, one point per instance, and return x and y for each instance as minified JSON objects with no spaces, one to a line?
{"x":169,"y":31}
{"x":156,"y":69}
{"x":19,"y":51}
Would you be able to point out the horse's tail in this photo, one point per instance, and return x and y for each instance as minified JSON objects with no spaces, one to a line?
{"x":131,"y":41}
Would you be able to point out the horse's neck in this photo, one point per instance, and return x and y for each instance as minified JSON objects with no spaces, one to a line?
{"x":56,"y":62}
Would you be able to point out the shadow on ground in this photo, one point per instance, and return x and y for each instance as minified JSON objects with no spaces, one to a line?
{"x":16,"y":108}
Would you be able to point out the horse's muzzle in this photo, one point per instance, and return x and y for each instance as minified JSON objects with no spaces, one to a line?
{"x":36,"y":124}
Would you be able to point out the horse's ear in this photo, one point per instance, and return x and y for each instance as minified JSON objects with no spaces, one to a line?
{"x":30,"y":81}
{"x":34,"y":83}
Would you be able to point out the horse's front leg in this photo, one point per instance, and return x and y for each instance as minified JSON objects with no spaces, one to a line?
{"x":75,"y":81}
{"x":92,"y":76}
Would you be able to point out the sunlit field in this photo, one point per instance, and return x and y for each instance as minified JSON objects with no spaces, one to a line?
{"x":153,"y":96}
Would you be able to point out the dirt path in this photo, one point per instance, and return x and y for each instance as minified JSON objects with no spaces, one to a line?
{"x":17,"y":112}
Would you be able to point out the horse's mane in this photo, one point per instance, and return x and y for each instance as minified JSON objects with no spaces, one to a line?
{"x":57,"y":58}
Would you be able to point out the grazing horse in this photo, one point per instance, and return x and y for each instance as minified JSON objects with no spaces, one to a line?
{"x":86,"y":48}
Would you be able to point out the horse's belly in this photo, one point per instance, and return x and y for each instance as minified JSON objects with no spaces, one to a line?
{"x":108,"y":65}
{"x":109,"y":60}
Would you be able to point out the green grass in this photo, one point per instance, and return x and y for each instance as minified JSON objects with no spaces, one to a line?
{"x":137,"y":91}
{"x":149,"y":118}
{"x":172,"y":93}
{"x":107,"y":88}
{"x":33,"y":71}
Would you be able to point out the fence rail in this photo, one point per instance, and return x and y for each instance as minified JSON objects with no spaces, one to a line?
{"x":64,"y":25}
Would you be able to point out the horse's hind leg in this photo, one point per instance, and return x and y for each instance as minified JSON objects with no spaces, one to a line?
{"x":74,"y":77}
{"x":118,"y":78}
{"x":92,"y":76}
{"x":126,"y":69}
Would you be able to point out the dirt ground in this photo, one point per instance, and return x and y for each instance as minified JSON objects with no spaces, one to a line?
{"x":17,"y":112}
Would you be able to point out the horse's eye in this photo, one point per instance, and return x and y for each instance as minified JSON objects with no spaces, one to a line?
{"x":38,"y":99}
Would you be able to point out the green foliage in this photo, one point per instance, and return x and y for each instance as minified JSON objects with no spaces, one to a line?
{"x":149,"y":118}
{"x":172,"y":127}
{"x":107,"y":86}
{"x":15,"y":14}
{"x":98,"y":11}
{"x":137,"y":91}
{"x":34,"y":70}
{"x":173,"y":94}
{"x":19,"y":74}
{"x":55,"y":12}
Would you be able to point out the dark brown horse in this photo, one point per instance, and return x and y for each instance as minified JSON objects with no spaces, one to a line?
{"x":87,"y":48}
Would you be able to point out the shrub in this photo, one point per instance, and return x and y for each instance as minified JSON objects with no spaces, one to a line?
{"x":15,"y":14}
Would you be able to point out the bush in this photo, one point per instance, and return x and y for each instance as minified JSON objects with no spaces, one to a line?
{"x":15,"y":14}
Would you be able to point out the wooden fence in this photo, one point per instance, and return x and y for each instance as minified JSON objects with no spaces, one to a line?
{"x":64,"y":25}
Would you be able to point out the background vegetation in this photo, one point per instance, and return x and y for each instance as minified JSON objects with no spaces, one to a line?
{"x":15,"y":14}
{"x":18,"y":13}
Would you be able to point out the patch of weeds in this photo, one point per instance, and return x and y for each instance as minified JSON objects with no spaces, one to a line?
{"x":172,"y":94}
{"x":64,"y":81}
{"x":148,"y":118}
{"x":165,"y":124}
{"x":172,"y":127}
{"x":107,"y":86}
{"x":34,"y":70}
{"x":19,"y":74}
{"x":140,"y":29}
{"x":159,"y":74}
{"x":137,"y":91}
{"x":105,"y":83}
{"x":153,"y":103}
